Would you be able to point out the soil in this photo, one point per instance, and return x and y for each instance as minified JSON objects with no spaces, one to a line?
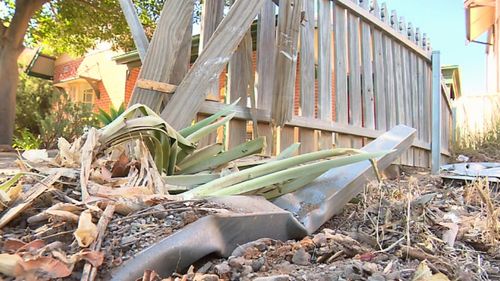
{"x":397,"y":230}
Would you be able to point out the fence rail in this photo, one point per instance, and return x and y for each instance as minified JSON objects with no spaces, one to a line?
{"x":327,"y":72}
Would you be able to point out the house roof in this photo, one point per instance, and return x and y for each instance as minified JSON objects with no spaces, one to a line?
{"x":479,"y":17}
{"x":451,"y":77}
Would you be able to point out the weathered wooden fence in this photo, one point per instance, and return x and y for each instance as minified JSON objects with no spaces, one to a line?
{"x":329,"y":73}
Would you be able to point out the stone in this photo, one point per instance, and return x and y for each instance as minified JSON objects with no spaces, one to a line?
{"x":236,"y":262}
{"x":222,"y":268}
{"x":209,"y":277}
{"x":273,"y":278}
{"x":376,"y":277}
{"x":301,"y":257}
{"x":246,"y":270}
{"x":258,"y":263}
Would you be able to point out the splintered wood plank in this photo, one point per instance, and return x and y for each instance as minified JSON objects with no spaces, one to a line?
{"x":33,"y":193}
{"x":340,"y":56}
{"x":140,"y":40}
{"x":166,"y":59}
{"x":307,"y":87}
{"x":325,"y":60}
{"x":379,"y":80}
{"x":355,"y":100}
{"x":207,"y":68}
{"x":289,"y":18}
{"x":239,"y":78}
{"x":389,"y":74}
{"x":211,"y":15}
{"x":367,"y":71}
{"x":266,"y":48}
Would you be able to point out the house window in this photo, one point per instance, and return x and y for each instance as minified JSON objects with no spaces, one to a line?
{"x":88,"y":96}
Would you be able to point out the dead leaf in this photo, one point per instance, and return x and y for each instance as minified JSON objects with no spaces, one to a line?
{"x":43,"y":266}
{"x":62,"y":215}
{"x":14,"y":192}
{"x":14,"y":245}
{"x":93,"y":257}
{"x":69,"y":154}
{"x":9,"y":264}
{"x":423,"y":273}
{"x":121,"y":167}
{"x":86,"y":233}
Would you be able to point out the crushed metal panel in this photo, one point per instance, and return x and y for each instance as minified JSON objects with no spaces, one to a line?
{"x":317,"y":202}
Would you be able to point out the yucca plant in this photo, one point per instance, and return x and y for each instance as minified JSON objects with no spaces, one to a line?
{"x":107,"y":118}
{"x":195,"y":172}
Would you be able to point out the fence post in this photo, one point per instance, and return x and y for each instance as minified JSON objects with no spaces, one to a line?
{"x":436,"y":113}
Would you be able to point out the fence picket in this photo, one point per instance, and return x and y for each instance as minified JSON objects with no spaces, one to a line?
{"x":307,"y":73}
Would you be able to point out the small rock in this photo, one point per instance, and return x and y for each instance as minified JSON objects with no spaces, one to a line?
{"x":236,"y":262}
{"x":205,"y":268}
{"x":370,"y":268}
{"x":258,"y":263}
{"x":273,"y":278}
{"x":319,"y":239}
{"x":222,"y":268}
{"x":376,"y":277}
{"x":246,"y":270}
{"x":301,"y":257}
{"x":209,"y":277}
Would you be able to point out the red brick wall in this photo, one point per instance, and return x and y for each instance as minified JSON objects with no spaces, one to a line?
{"x":133,"y":75}
{"x":66,"y":70}
{"x":103,"y":101}
{"x":130,"y":83}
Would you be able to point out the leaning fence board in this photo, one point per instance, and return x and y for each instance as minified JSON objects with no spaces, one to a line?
{"x":324,"y":60}
{"x":239,"y":78}
{"x":367,"y":72}
{"x":210,"y":63}
{"x":405,"y":65}
{"x":163,"y":56}
{"x":266,"y":48}
{"x":140,"y":40}
{"x":286,"y":60}
{"x":307,"y":73}
{"x":211,"y":15}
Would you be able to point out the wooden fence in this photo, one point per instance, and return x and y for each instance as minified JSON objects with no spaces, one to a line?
{"x":326,"y":72}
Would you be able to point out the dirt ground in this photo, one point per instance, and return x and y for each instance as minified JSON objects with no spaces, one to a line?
{"x":412,"y":228}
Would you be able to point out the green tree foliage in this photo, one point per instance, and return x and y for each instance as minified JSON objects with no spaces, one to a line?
{"x":75,"y":26}
{"x":43,"y":114}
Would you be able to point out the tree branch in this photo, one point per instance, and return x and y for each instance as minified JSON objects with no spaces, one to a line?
{"x":25,"y":9}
